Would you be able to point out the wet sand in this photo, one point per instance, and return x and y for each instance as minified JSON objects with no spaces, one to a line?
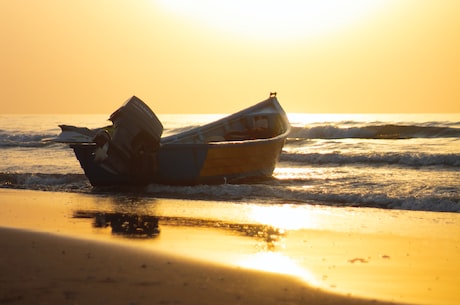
{"x":343,"y":256}
{"x":39,"y":268}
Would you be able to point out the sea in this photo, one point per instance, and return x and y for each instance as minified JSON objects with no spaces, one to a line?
{"x":384,"y":161}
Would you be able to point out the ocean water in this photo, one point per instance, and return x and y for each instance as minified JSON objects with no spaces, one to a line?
{"x":388,"y":161}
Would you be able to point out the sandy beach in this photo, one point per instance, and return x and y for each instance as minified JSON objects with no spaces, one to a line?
{"x":55,"y":250}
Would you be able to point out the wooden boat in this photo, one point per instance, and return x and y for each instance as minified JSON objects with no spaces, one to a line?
{"x":244,"y":145}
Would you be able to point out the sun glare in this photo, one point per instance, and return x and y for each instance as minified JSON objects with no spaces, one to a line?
{"x":274,"y":19}
{"x":277,"y":263}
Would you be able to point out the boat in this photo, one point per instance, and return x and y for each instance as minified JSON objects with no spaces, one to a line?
{"x":131,"y":151}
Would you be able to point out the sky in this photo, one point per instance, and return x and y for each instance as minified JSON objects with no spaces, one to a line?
{"x":203,"y":56}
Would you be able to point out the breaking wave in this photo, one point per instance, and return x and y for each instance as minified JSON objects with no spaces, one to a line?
{"x":270,"y":191}
{"x":40,"y":181}
{"x":385,"y":131}
{"x":18,"y":139}
{"x":403,"y":158}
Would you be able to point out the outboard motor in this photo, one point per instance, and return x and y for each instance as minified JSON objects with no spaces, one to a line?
{"x":130,"y":147}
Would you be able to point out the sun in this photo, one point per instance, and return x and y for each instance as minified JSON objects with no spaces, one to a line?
{"x":274,"y":19}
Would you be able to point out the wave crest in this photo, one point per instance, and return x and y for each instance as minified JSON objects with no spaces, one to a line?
{"x":9,"y":140}
{"x":385,"y":131}
{"x":39,"y":181}
{"x":406,"y":159}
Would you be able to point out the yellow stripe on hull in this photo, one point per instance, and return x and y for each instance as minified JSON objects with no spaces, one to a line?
{"x":235,"y":159}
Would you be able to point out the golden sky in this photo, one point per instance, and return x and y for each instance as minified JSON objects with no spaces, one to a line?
{"x":203,"y":56}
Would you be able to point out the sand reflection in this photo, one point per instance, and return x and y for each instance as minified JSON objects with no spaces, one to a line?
{"x":264,"y":253}
{"x":133,"y":225}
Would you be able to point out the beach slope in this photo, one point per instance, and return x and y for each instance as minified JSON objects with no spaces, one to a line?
{"x":357,"y":256}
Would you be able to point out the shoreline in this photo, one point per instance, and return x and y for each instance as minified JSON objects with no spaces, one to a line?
{"x":52,"y":256}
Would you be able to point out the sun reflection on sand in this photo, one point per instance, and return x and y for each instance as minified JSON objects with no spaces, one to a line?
{"x":277,"y":262}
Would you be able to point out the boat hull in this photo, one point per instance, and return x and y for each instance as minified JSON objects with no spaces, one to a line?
{"x":189,"y":164}
{"x":244,"y":145}
{"x":217,"y":163}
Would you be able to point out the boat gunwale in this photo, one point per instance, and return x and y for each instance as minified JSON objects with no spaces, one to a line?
{"x":175,"y":139}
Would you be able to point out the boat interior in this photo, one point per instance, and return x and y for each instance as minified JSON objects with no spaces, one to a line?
{"x":253,"y":126}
